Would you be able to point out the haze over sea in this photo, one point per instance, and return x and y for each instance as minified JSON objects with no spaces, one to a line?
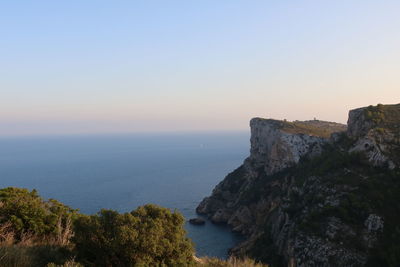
{"x":122,"y":172}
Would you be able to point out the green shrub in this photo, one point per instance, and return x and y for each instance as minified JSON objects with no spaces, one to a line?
{"x":147,"y":236}
{"x":28,"y":213}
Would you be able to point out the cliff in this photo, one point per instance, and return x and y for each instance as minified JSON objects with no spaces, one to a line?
{"x":315,"y":193}
{"x":276,"y":145}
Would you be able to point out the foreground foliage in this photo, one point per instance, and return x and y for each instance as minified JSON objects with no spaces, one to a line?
{"x":34,"y":232}
{"x":231,"y":262}
{"x":25,"y":213}
{"x":148,"y":236}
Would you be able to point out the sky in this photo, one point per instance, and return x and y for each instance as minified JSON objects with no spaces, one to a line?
{"x":93,"y":66}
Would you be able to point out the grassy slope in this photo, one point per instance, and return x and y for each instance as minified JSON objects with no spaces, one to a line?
{"x":317,"y":128}
{"x":385,"y":116}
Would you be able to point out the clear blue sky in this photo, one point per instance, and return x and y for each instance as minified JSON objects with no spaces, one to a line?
{"x":138,"y":66}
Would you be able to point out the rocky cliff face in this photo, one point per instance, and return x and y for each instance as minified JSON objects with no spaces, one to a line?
{"x":303,"y":199}
{"x":377,"y":133}
{"x":274,"y":149}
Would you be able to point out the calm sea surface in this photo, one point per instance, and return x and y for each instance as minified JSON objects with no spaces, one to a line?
{"x":122,"y":172}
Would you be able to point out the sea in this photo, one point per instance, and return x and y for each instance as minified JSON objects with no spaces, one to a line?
{"x":124,"y":171}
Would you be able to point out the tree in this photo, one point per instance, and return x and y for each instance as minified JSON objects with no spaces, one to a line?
{"x":27,"y":212}
{"x":148,"y":236}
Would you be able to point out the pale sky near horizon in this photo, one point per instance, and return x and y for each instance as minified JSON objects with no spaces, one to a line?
{"x":154,"y":66}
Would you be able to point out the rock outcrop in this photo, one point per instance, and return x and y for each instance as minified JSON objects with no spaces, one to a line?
{"x":274,"y":149}
{"x":307,"y":194}
{"x":197,"y":221}
{"x":377,"y":131}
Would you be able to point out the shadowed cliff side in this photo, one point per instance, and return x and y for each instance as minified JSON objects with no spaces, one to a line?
{"x":303,"y":199}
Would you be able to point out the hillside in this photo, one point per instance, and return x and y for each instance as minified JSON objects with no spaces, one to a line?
{"x":306,"y":200}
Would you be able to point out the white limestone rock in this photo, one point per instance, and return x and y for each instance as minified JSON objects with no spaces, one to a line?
{"x":275,"y":149}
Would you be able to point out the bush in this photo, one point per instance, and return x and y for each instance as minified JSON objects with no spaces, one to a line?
{"x":147,"y":236}
{"x":28,"y":213}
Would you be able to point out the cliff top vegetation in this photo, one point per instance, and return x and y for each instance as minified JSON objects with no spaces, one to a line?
{"x":384,"y":116}
{"x":313,"y":127}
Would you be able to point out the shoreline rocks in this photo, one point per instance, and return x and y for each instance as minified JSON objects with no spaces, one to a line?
{"x":197,"y":221}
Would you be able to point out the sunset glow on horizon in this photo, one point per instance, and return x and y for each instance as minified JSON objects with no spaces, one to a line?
{"x":161,"y":66}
